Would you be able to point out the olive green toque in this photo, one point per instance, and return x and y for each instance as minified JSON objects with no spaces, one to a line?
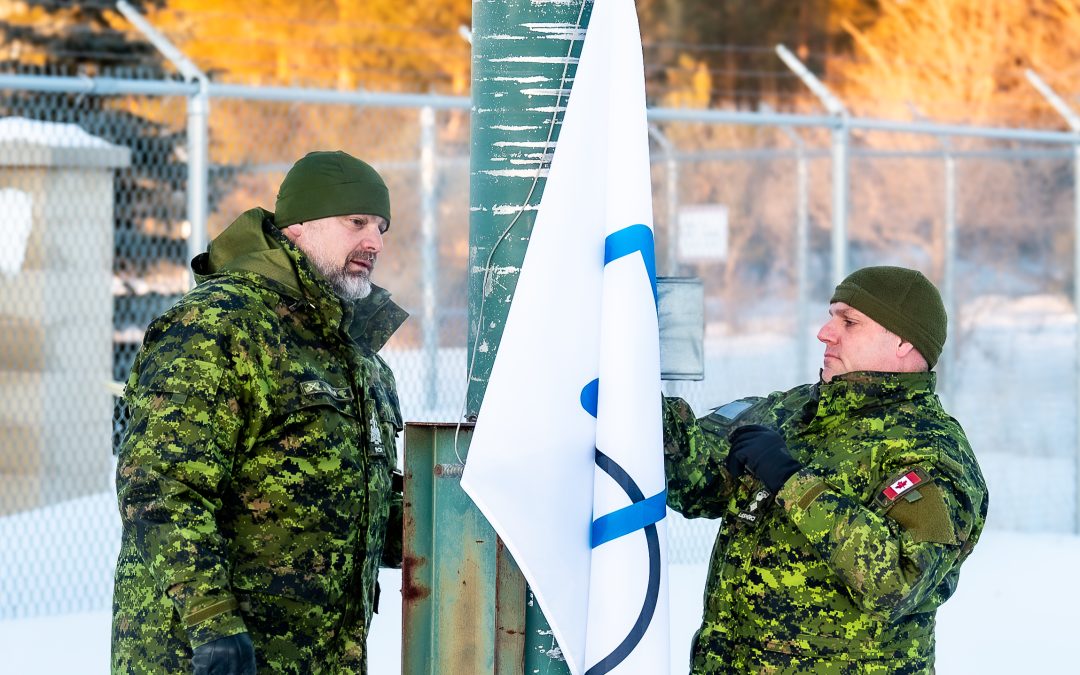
{"x":324,"y":184}
{"x":901,"y":300}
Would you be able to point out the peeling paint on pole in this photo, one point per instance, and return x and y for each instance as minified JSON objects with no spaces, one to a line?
{"x":520,"y":55}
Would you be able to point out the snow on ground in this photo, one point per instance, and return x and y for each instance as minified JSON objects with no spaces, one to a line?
{"x":1012,"y":613}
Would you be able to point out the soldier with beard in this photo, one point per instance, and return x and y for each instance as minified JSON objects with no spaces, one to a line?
{"x":848,"y":505}
{"x":256,"y":482}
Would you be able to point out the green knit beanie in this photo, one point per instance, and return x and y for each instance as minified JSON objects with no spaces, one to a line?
{"x":901,"y":300}
{"x":324,"y":184}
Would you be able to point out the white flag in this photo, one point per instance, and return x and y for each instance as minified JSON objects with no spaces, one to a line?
{"x":566,"y":459}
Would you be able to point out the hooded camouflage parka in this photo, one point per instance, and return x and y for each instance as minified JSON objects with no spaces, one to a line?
{"x":254,"y":481}
{"x":844,"y":571}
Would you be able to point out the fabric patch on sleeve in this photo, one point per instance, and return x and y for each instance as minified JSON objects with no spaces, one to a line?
{"x":915,"y":501}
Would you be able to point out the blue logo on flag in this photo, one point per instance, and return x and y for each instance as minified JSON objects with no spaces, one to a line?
{"x":643,"y":513}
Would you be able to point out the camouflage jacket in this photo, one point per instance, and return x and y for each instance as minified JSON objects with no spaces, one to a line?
{"x":254,"y":483}
{"x":844,"y":572}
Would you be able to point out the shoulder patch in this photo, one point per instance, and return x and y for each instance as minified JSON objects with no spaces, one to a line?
{"x":898,"y":485}
{"x":914,"y":500}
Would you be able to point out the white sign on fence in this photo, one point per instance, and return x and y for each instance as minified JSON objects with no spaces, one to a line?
{"x":703,"y":232}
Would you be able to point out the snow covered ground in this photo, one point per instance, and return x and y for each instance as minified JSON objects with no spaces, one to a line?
{"x":1013,"y":613}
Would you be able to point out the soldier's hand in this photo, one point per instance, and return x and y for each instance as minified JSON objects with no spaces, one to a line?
{"x":232,"y":655}
{"x":763,"y":452}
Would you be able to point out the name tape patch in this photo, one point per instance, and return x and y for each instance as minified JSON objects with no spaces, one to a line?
{"x":315,"y":387}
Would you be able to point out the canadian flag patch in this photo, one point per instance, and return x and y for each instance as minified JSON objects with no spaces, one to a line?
{"x":901,"y":485}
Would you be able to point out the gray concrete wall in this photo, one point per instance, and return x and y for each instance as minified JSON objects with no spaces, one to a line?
{"x":56,"y":325}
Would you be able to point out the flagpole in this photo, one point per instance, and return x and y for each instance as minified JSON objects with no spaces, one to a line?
{"x":517,"y":81}
{"x":519,"y":95}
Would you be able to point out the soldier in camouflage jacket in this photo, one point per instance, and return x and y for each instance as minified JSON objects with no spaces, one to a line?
{"x":255,"y":479}
{"x":848,"y":505}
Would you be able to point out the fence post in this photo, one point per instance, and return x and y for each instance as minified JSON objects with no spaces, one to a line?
{"x":198,"y":128}
{"x":1066,"y":111}
{"x":802,"y":246}
{"x":429,"y":252}
{"x":949,"y":271}
{"x":198,"y":143}
{"x":671,"y":188}
{"x":841,"y":137}
{"x":802,"y":256}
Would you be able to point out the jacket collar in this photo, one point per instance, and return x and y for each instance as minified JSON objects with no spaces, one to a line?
{"x":374,"y":319}
{"x":862,"y":390}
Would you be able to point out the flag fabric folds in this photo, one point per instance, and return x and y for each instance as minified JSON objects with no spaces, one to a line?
{"x":566,"y":459}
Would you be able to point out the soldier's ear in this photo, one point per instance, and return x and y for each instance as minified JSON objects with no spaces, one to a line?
{"x":293,"y":232}
{"x":903,"y":349}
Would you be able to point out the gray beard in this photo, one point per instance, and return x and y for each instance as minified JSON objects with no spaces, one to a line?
{"x":350,"y":287}
{"x":347,"y":286}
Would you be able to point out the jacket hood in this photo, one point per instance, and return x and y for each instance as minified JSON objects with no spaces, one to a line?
{"x":252,"y":245}
{"x":246,"y":246}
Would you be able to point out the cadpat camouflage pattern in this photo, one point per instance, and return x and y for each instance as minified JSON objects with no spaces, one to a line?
{"x":254,"y":481}
{"x":844,"y":571}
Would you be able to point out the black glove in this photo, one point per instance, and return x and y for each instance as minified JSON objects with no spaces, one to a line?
{"x":763,"y":453}
{"x":232,"y":655}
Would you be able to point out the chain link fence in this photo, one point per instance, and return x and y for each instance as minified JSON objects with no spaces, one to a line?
{"x":93,"y":245}
{"x":991,"y":222}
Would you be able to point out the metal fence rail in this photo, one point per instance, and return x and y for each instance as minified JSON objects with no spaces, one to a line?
{"x":98,"y":222}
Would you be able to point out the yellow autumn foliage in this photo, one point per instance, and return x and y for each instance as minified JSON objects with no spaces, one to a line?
{"x":346,"y":44}
{"x":961,"y":60}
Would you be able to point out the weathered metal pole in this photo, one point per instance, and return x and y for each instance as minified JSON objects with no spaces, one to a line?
{"x":524,"y":58}
{"x":521,"y":80}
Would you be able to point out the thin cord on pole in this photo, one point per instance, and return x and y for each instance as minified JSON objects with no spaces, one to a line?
{"x":506,"y":231}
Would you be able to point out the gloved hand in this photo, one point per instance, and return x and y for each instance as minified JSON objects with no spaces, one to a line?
{"x":232,"y":655}
{"x":763,"y":452}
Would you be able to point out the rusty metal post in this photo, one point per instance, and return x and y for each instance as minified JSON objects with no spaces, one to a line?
{"x":463,"y":598}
